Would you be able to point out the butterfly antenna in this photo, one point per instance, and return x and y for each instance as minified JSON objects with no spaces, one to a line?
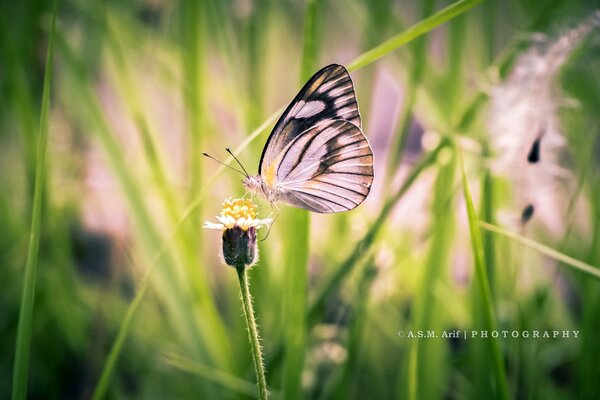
{"x":222,"y":163}
{"x":238,"y":161}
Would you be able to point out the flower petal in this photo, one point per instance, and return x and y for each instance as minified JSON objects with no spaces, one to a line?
{"x":230,"y":221}
{"x":258,"y":223}
{"x":212,"y":225}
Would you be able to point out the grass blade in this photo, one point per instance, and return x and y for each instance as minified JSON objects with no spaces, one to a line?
{"x":418,"y":29}
{"x":363,"y":245}
{"x":21,"y":363}
{"x":484,"y":286}
{"x":230,"y":382}
{"x":296,"y":245}
{"x":111,"y":361}
{"x":429,"y":358}
{"x":193,"y":85}
{"x":399,"y":141}
{"x":590,"y":270}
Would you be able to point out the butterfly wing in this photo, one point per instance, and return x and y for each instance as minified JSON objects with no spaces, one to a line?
{"x":328,"y":95}
{"x":327,"y":168}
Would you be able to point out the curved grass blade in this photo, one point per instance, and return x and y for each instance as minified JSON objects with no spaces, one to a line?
{"x":21,"y":362}
{"x":590,"y":270}
{"x":411,"y":33}
{"x":228,"y":381}
{"x":482,"y":280}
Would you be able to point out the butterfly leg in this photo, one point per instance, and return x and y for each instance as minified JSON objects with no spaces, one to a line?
{"x":271,"y":225}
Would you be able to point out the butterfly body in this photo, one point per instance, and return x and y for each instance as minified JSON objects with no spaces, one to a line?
{"x":257,"y":184}
{"x":317,"y":157}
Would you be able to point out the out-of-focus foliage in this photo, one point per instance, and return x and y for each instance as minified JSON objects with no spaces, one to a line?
{"x":141,"y":88}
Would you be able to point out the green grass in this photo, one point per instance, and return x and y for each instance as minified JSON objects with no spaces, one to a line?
{"x":589,"y":270}
{"x":113,"y":290}
{"x":483,"y":283}
{"x":25,"y":327}
{"x":418,"y":29}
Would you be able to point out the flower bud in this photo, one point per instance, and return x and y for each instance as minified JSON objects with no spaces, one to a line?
{"x":239,"y":223}
{"x":239,"y":246}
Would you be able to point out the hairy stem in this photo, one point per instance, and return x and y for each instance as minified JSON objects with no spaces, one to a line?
{"x":252,"y":333}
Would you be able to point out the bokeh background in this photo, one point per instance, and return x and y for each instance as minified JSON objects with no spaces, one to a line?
{"x":140,"y":89}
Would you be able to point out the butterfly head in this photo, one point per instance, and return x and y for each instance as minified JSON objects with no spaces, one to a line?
{"x":256,"y":184}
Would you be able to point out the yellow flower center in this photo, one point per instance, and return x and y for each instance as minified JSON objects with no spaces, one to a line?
{"x":239,"y":208}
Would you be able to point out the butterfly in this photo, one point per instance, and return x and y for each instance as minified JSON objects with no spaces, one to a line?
{"x":317,"y":157}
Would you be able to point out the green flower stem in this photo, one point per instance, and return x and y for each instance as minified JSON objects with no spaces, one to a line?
{"x":263,"y":392}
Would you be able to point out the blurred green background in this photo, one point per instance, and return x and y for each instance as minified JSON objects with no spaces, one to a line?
{"x":139,"y":89}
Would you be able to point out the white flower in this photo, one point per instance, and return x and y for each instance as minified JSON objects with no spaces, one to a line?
{"x":238,"y":223}
{"x":240,"y":213}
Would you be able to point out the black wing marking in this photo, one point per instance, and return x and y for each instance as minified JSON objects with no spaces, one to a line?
{"x":328,"y":94}
{"x":527,"y":213}
{"x":534,"y":153}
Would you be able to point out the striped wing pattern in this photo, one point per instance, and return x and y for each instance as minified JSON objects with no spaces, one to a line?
{"x":327,"y":168}
{"x":328,"y":95}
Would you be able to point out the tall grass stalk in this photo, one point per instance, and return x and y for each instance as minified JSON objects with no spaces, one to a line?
{"x":424,"y":369}
{"x":192,"y":12}
{"x":25,"y":325}
{"x":346,"y":385}
{"x":588,"y":366}
{"x":483,"y":283}
{"x":296,"y":249}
